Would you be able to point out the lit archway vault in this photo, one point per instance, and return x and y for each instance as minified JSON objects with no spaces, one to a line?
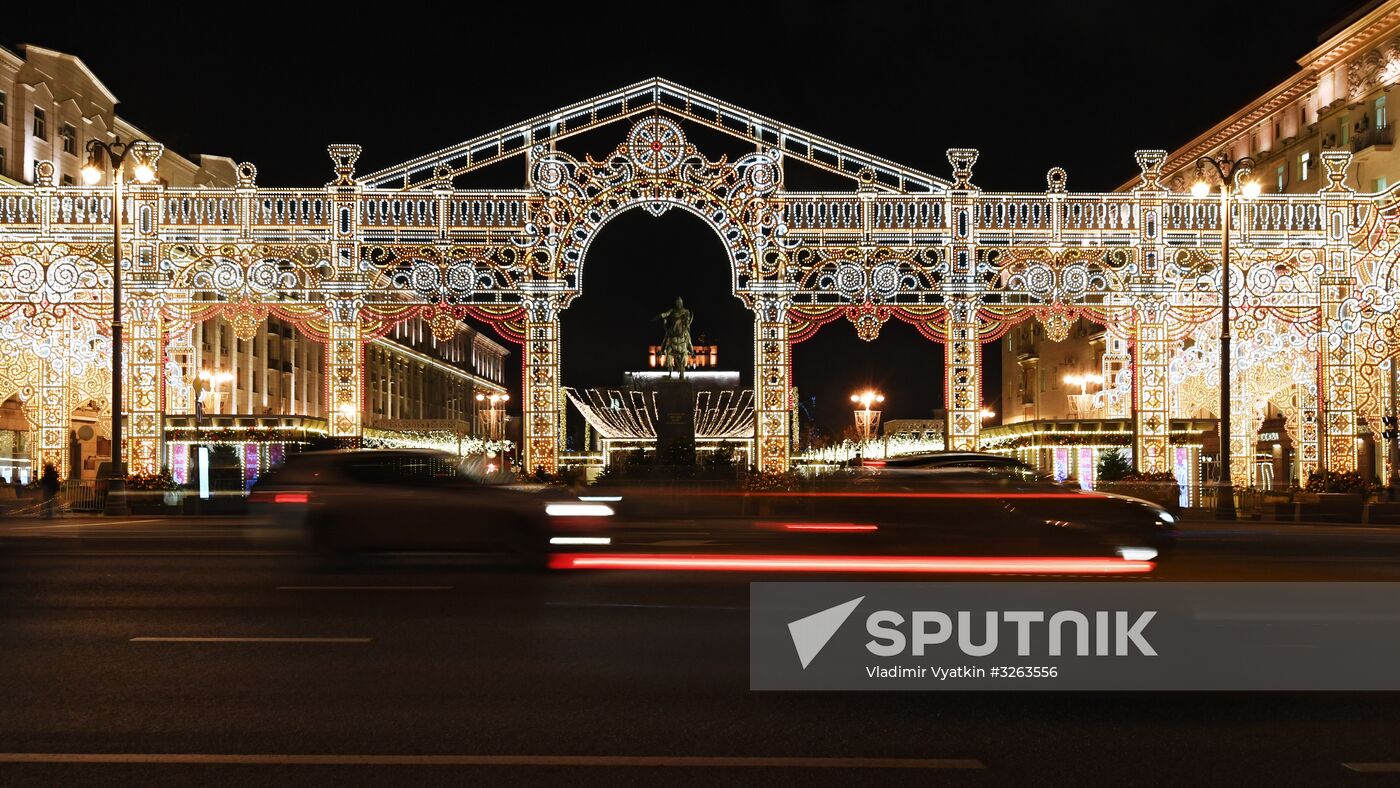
{"x":348,"y":260}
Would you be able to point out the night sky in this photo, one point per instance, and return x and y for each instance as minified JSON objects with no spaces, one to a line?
{"x":1079,"y":85}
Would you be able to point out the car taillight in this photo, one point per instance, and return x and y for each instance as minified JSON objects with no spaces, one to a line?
{"x":279,"y":497}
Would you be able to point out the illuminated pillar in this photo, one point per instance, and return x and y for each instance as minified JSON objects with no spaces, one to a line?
{"x":963,"y":375}
{"x":50,"y":408}
{"x":1151,"y":392}
{"x":145,"y":385}
{"x":1336,"y":381}
{"x":1307,"y":443}
{"x":772,"y":366}
{"x":962,"y":368}
{"x":344,"y":363}
{"x":1337,"y":398}
{"x":1243,"y":429}
{"x":541,"y":432}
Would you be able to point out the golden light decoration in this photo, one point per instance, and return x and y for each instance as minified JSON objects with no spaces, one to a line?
{"x":345,"y":261}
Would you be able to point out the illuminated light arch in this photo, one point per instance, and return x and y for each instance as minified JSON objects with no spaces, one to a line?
{"x":347,"y":259}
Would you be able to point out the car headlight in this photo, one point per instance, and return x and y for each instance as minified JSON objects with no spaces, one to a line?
{"x":1166,"y":517}
{"x":1137,"y":553}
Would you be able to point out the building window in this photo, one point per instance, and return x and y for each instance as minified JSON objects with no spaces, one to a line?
{"x":1381,"y":184}
{"x":3,"y":168}
{"x":66,"y":180}
{"x":1282,"y":174}
{"x":1343,"y":131}
{"x":70,"y":138}
{"x":1304,"y":164}
{"x":1278,"y":131}
{"x":41,"y":124}
{"x":4,"y":109}
{"x":1381,"y":119}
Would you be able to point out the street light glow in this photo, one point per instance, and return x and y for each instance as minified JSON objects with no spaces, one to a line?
{"x":1251,"y":189}
{"x":1200,"y":189}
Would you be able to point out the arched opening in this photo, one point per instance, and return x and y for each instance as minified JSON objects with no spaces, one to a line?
{"x":635,"y":268}
{"x":835,"y":362}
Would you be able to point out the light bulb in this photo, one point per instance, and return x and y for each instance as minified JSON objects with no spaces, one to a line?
{"x":1251,"y":189}
{"x":1200,"y":189}
{"x":91,"y":174}
{"x":144,"y":172}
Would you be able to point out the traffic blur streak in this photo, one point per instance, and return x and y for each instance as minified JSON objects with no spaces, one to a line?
{"x":983,"y":519}
{"x":966,"y":520}
{"x":862,"y":564}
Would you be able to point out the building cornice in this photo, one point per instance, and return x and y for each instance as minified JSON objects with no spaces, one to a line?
{"x":1355,"y":39}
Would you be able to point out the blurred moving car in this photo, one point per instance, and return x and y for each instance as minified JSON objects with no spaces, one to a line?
{"x":957,"y":459}
{"x":994,"y":501}
{"x":351,"y":501}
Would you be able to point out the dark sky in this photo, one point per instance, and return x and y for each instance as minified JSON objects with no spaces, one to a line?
{"x":1077,"y":84}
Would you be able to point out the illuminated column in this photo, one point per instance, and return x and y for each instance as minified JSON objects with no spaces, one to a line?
{"x":145,"y":384}
{"x":963,"y":375}
{"x":50,"y":409}
{"x":772,"y":366}
{"x":1337,"y":371}
{"x":344,"y":364}
{"x":1336,"y":381}
{"x":1151,"y":392}
{"x":1307,"y":443}
{"x":541,"y":433}
{"x":1151,"y":398}
{"x":962,"y":368}
{"x":1243,"y":429}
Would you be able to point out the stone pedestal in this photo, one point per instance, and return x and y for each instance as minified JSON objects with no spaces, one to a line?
{"x":675,"y":422}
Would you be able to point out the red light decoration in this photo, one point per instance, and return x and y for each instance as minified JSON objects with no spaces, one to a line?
{"x":863,"y":563}
{"x":831,"y":527}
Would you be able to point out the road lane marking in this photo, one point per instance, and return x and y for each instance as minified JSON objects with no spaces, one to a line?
{"x":97,"y":524}
{"x":364,"y":588}
{"x":248,"y":640}
{"x":641,"y":606}
{"x":495,"y":760}
{"x":1378,"y":767}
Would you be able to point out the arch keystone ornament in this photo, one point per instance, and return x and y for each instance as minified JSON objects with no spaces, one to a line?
{"x":1313,"y":274}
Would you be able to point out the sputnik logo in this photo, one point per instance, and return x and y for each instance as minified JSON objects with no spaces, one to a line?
{"x":811,"y":634}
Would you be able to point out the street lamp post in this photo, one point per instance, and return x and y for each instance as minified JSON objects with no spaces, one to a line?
{"x":866,"y":419}
{"x":492,"y":413}
{"x":1230,"y":174}
{"x":110,"y":156}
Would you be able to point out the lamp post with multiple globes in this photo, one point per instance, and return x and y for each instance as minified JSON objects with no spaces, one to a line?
{"x":493,"y":410}
{"x":109,"y":157}
{"x":1230,"y":175}
{"x":867,"y":419}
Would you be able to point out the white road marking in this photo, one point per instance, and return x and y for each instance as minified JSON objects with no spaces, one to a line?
{"x":364,"y":588}
{"x":97,"y":524}
{"x":495,"y":760}
{"x":643,"y":606}
{"x":248,"y":640}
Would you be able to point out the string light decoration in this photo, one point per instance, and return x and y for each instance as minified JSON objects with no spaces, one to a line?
{"x":346,"y":261}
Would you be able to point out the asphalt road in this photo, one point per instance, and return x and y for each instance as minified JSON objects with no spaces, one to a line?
{"x":145,"y":652}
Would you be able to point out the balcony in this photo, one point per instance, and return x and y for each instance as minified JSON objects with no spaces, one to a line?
{"x":1381,"y":139}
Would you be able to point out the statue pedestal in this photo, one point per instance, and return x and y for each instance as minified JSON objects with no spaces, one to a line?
{"x":675,"y":422}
